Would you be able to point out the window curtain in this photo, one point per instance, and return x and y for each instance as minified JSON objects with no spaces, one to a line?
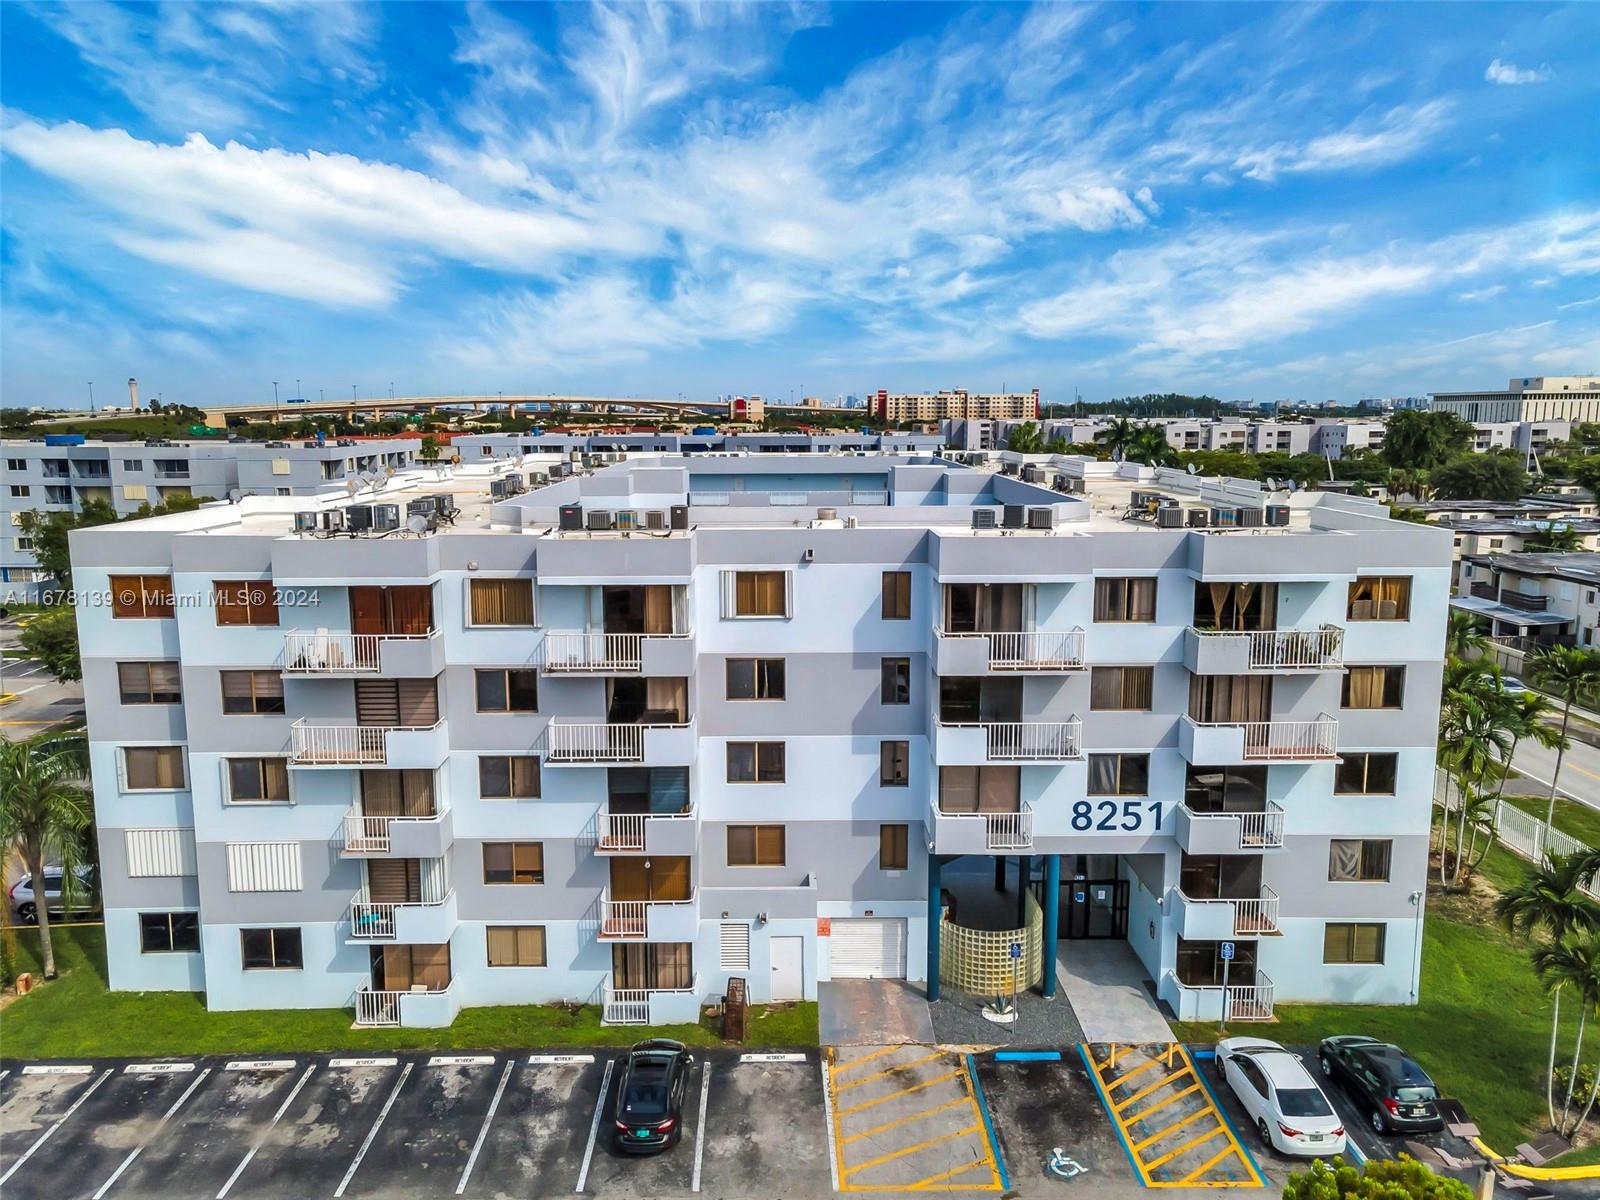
{"x":658,"y":609}
{"x":669,"y":697}
{"x":502,"y":601}
{"x":1363,"y":687}
{"x":1344,"y":860}
{"x":410,"y":610}
{"x":1230,"y":698}
{"x":958,"y":789}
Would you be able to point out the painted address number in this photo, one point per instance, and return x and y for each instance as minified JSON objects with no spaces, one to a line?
{"x":1108,"y":816}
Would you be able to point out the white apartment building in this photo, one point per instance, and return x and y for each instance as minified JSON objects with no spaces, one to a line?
{"x":644,"y":729}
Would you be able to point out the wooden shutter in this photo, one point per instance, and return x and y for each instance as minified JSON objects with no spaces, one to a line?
{"x":394,"y":881}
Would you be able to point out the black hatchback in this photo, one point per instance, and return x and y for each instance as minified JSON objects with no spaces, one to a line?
{"x":649,"y":1110}
{"x":1394,"y":1090}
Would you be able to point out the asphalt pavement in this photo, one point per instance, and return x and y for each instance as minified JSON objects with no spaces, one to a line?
{"x":39,"y":701}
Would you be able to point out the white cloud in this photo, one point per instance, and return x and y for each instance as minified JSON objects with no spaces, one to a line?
{"x":1511,"y":75}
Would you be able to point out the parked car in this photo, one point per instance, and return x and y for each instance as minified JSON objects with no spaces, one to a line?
{"x":1290,"y":1111}
{"x":1511,"y":683}
{"x":85,"y":902}
{"x":649,"y":1109}
{"x":1386,"y":1081}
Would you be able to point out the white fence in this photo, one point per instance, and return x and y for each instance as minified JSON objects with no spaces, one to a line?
{"x":308,"y":653}
{"x":366,"y":835}
{"x":1041,"y":740}
{"x":1259,"y":915}
{"x":575,"y":651}
{"x":337,"y":744}
{"x":1522,"y":833}
{"x":595,"y":741}
{"x":626,"y":1006}
{"x":1251,"y":1002}
{"x":1010,"y":830}
{"x":377,"y":1008}
{"x":1289,"y":649}
{"x":1261,"y":830}
{"x":1288,"y":739}
{"x":621,"y":833}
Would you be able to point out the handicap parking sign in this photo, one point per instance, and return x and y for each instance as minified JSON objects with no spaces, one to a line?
{"x":1079,"y":897}
{"x":1225,"y":951}
{"x":1016,"y":949}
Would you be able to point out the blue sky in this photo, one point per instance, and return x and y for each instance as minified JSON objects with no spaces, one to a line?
{"x":1251,"y":200}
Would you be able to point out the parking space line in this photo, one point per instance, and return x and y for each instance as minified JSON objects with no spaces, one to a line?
{"x":1122,"y":1079}
{"x":1208,"y":1164}
{"x":154,"y":1133}
{"x":912,"y":1149}
{"x":45,"y":1136}
{"x":1165,"y":1130}
{"x":924,"y":1184}
{"x":831,"y":1122}
{"x":1135,"y":1118}
{"x":373,"y":1132}
{"x":905,"y":1066}
{"x":945,"y":1078}
{"x":840,"y":1068}
{"x":466,"y":1172}
{"x":700,"y":1127}
{"x":980,"y":1105}
{"x":895,"y":1124}
{"x":1189,"y":1145}
{"x":594,"y":1125}
{"x":276,"y":1117}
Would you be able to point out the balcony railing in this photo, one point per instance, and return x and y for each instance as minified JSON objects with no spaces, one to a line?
{"x":1249,"y":1002}
{"x":1002,"y":830}
{"x":1255,"y":830}
{"x":1253,"y":916}
{"x":629,"y":920}
{"x":597,"y":652}
{"x":1287,"y":649}
{"x":375,"y":1007}
{"x":631,"y":1006}
{"x":172,"y":472}
{"x":374,"y":920}
{"x":1035,"y":650}
{"x":604,"y":742}
{"x":311,"y":653}
{"x":365,"y":834}
{"x":345,"y":745}
{"x":625,"y":833}
{"x":1030,"y":741}
{"x":1271,"y":740}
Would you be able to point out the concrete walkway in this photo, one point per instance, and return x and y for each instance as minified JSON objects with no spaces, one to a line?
{"x":1107,"y":987}
{"x":873,"y":1012}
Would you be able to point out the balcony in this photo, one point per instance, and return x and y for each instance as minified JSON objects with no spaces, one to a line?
{"x":1038,"y":652}
{"x":573,"y":652}
{"x":419,"y":1008}
{"x":349,"y":745}
{"x":428,"y":922}
{"x":601,"y":743}
{"x":1217,"y":652}
{"x":648,"y":920}
{"x":1229,"y":833}
{"x":397,"y":837}
{"x":1230,"y":743}
{"x":1221,"y":920}
{"x":981,"y":742}
{"x":1213,"y":1002}
{"x":340,"y":655}
{"x":650,"y":1006}
{"x":981,"y":833}
{"x":647,"y":833}
{"x":171,"y":472}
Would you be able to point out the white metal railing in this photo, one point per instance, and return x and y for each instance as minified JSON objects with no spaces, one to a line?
{"x":577,"y":651}
{"x":631,"y":918}
{"x":364,"y":834}
{"x":709,"y":499}
{"x":624,"y":832}
{"x":1283,"y":739}
{"x":595,"y":741}
{"x":308,"y":653}
{"x":631,"y":1006}
{"x":1257,"y":830}
{"x":1288,"y":649}
{"x":374,"y":1007}
{"x":1045,"y":741}
{"x":371,"y":920}
{"x":788,"y":498}
{"x":1060,"y":649}
{"x":337,"y":744}
{"x":1249,"y":1001}
{"x":1010,"y":831}
{"x":1252,"y":915}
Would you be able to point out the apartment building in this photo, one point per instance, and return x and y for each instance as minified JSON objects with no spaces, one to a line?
{"x":1244,"y":436}
{"x":1530,"y":437}
{"x":315,"y":466}
{"x":1336,"y":437}
{"x":1536,"y":398}
{"x":1535,"y":599}
{"x":479,"y":447}
{"x":624,"y":737}
{"x":956,"y":405}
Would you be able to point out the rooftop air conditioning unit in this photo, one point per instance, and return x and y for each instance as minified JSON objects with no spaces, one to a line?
{"x":1250,"y":518}
{"x":344,"y":441}
{"x":627,"y":518}
{"x":305,"y":522}
{"x":333,"y":520}
{"x":596,"y":518}
{"x":385,"y":518}
{"x":1225,"y":518}
{"x":1041,"y":518}
{"x":309,"y":444}
{"x":571,"y":518}
{"x":1277,"y":514}
{"x":444,"y":503}
{"x":983,"y":518}
{"x":277,"y":445}
{"x":1169,"y":517}
{"x":1014,"y":516}
{"x":655,"y":520}
{"x":422,"y":505}
{"x":499,"y":489}
{"x":358,"y":518}
{"x":1198,"y":518}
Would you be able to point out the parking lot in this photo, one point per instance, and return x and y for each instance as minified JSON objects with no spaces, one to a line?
{"x":900,"y":1118}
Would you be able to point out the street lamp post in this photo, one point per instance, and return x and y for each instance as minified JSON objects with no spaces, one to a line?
{"x":274,"y":399}
{"x":91,"y":396}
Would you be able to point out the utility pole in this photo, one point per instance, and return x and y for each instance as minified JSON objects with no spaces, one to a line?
{"x":91,"y":397}
{"x":274,"y":399}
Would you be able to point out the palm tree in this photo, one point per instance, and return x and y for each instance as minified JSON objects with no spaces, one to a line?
{"x":44,"y":813}
{"x":1568,"y":671}
{"x":1524,"y":713}
{"x":1118,"y":436}
{"x":1547,"y":899}
{"x":1479,"y":741}
{"x":1571,"y":966}
{"x":1463,"y":638}
{"x":1151,"y":446}
{"x":1025,"y":439}
{"x":1554,"y":539}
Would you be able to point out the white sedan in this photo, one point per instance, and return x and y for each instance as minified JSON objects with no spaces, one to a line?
{"x":1290,"y":1111}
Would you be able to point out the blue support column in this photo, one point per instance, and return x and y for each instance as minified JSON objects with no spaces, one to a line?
{"x":1052,"y":914}
{"x":935,"y":916}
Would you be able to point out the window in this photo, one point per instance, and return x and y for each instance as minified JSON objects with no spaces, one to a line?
{"x":1352,"y":943}
{"x":19,"y":489}
{"x":244,"y":602}
{"x":508,"y":777}
{"x":152,"y":768}
{"x":258,"y":780}
{"x":169,"y":933}
{"x":149,"y":683}
{"x":1357,"y":861}
{"x":1119,"y":774}
{"x":252,"y":692}
{"x":894,"y":847}
{"x":1380,"y":598}
{"x":270,"y":949}
{"x":133,"y":464}
{"x":1127,"y":689}
{"x":1373,"y":687}
{"x":501,"y":601}
{"x":1125,"y":599}
{"x":894,"y":764}
{"x":897,"y":595}
{"x":755,"y":679}
{"x":516,"y":945}
{"x":508,"y":689}
{"x":755,"y":845}
{"x":141,"y":597}
{"x":16,"y":464}
{"x":755,"y":762}
{"x":896,"y":681}
{"x":759,"y":594}
{"x":513,"y":862}
{"x":1365,"y":774}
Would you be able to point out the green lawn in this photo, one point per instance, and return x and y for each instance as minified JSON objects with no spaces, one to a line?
{"x":1482,"y":1029}
{"x":1579,"y":820}
{"x":76,"y":1016}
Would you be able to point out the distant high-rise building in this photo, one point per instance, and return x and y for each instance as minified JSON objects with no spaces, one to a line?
{"x":1535,"y":398}
{"x":957,"y":405}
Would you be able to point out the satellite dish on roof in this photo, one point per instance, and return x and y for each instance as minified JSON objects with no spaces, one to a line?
{"x":1191,"y":468}
{"x":1272,"y":484}
{"x":417,"y":524}
{"x":352,"y":486}
{"x":455,"y":458}
{"x":388,"y":471}
{"x":233,"y":495}
{"x":1293,"y":487}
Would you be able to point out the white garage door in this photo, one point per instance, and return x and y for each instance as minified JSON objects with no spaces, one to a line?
{"x":868,"y":949}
